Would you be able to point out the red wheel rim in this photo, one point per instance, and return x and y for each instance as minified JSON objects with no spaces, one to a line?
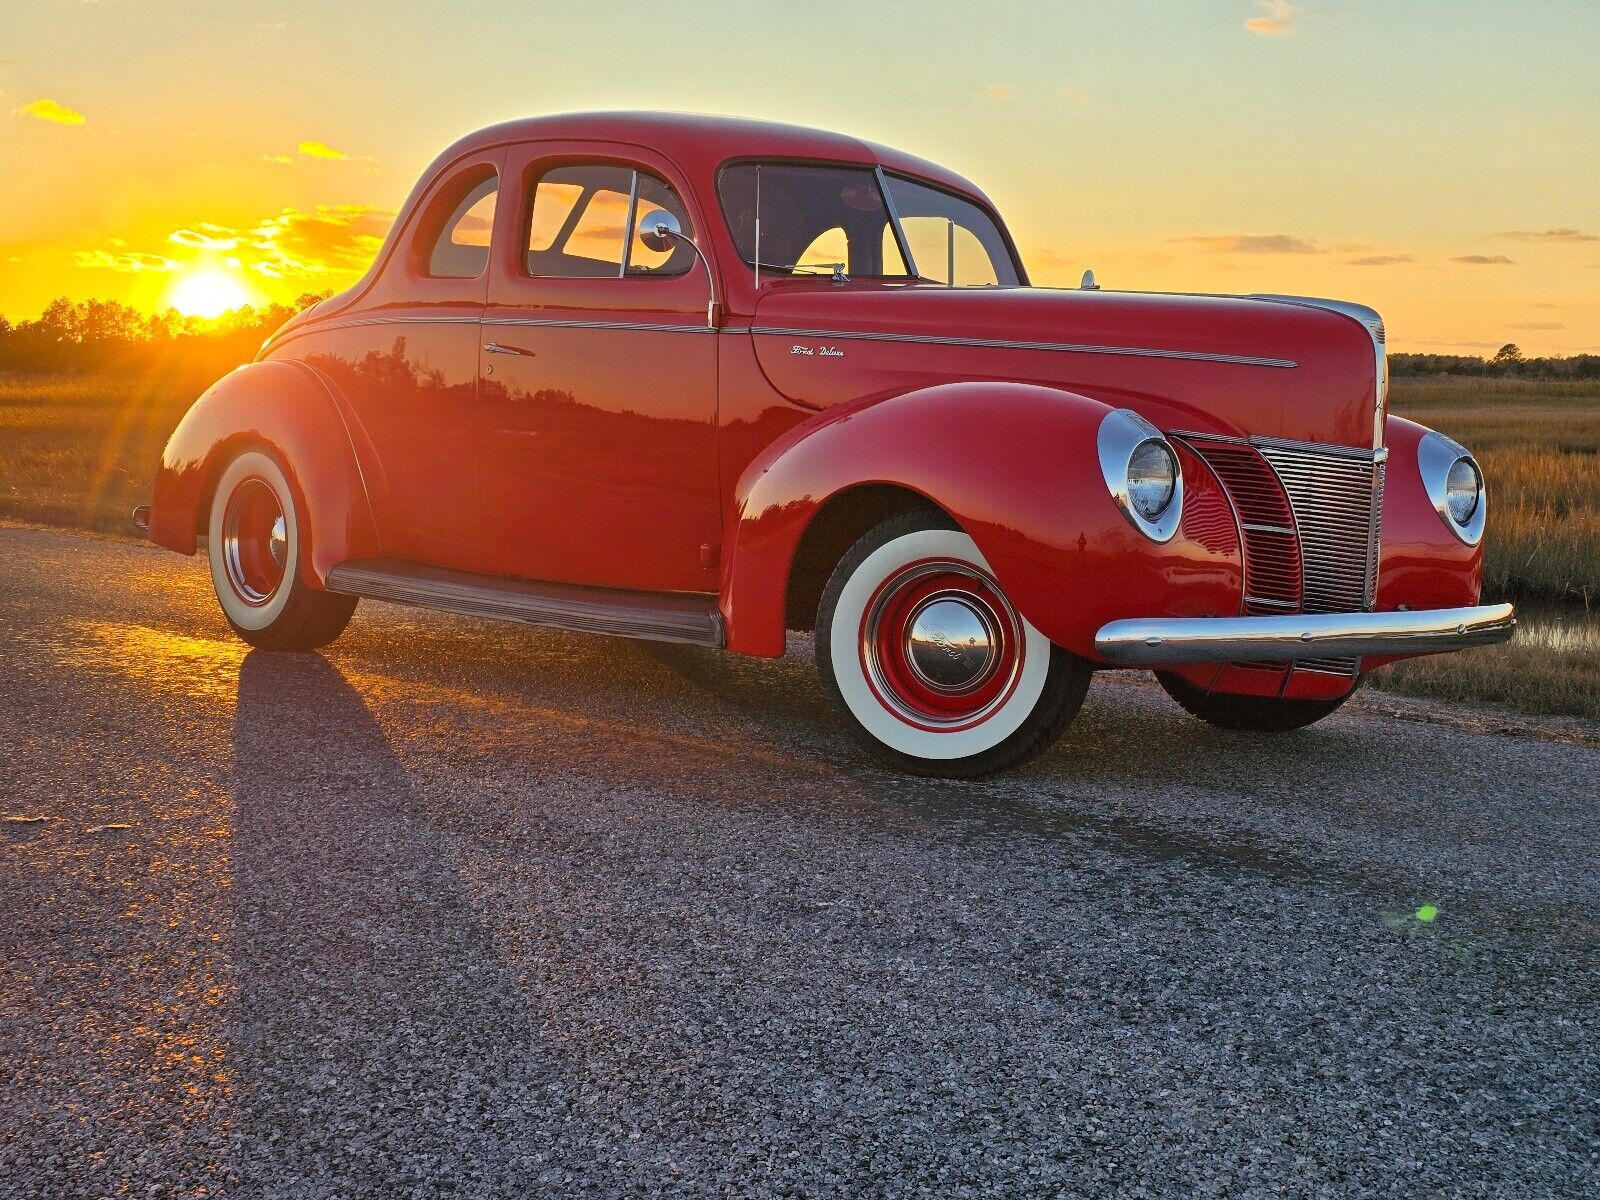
{"x":255,"y":541}
{"x":941,"y":647}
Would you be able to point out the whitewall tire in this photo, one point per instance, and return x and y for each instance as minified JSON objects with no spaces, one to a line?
{"x":929,"y":663}
{"x":255,"y":542}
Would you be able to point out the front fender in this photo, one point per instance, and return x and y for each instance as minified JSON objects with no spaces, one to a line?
{"x":1421,"y":564}
{"x":287,"y":408}
{"x":1016,"y":466}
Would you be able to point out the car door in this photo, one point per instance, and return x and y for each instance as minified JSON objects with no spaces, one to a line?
{"x":408,"y":366}
{"x":598,"y":379}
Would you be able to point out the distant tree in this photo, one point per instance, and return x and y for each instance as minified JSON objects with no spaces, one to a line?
{"x":1509,"y":355}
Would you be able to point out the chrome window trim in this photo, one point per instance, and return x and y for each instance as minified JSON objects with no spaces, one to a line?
{"x":1121,"y":432}
{"x":1436,"y":454}
{"x":894,"y":220}
{"x":627,"y":227}
{"x":1007,"y":344}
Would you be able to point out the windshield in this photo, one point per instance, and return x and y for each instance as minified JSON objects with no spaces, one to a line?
{"x":816,"y":219}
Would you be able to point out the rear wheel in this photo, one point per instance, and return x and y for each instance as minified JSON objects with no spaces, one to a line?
{"x":255,"y":543}
{"x":933,"y":670}
{"x":1248,"y":714}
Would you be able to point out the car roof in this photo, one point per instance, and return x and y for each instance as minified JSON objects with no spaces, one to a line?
{"x":696,"y":141}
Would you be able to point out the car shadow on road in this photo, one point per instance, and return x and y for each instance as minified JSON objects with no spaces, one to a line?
{"x":1363,"y":805}
{"x":380,"y":1041}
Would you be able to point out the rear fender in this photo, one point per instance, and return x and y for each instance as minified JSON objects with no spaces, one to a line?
{"x":288,"y":409}
{"x":1016,"y":466}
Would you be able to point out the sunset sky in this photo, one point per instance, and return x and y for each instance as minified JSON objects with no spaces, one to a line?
{"x":1438,"y":159}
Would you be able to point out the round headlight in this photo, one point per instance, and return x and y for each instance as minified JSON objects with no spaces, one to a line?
{"x":1152,"y":475}
{"x":1462,"y":488}
{"x":1142,"y":473}
{"x":1454,"y":483}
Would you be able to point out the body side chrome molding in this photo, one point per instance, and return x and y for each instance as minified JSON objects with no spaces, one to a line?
{"x":1239,"y":360}
{"x":509,"y":322}
{"x":553,"y":323}
{"x":1168,"y":641}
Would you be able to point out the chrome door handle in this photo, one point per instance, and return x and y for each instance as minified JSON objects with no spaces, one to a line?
{"x":500,"y":348}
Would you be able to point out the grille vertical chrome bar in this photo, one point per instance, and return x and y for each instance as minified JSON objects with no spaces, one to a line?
{"x":1338,"y":506}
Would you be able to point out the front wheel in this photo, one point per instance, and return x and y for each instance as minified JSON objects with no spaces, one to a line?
{"x":1247,"y":714}
{"x":255,"y":543}
{"x":933,"y":670}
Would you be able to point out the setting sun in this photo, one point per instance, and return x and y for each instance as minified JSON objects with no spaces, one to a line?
{"x":208,"y":293}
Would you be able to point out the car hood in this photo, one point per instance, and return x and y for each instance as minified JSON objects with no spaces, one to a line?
{"x":1278,"y":367}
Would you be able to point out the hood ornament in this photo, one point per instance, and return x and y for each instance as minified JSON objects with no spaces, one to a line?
{"x":1088,"y":284}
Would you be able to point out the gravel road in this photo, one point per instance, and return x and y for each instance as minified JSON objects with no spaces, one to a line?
{"x":462,"y":909}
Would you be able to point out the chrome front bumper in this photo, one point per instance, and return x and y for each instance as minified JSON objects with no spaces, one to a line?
{"x":1163,"y":641}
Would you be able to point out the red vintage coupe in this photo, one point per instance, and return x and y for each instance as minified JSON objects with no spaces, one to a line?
{"x":707,"y":380}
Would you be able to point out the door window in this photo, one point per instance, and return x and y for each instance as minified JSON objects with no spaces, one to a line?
{"x":460,"y":248}
{"x":585,"y":218}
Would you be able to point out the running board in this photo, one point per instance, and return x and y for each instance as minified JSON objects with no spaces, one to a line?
{"x":655,"y":616}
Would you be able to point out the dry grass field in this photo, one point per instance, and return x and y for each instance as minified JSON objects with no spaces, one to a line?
{"x":1539,"y":443}
{"x":81,"y":451}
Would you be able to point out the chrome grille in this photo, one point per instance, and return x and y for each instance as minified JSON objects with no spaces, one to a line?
{"x":1335,"y":497}
{"x":1337,"y":500}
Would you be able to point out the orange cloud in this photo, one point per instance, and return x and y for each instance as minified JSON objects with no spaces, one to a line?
{"x":998,"y":91}
{"x":1254,"y":243}
{"x":1483,"y":260}
{"x":331,"y":239}
{"x":281,"y":160}
{"x":49,"y":110}
{"x":206,"y":236}
{"x":325,"y":244}
{"x":1380,"y":260}
{"x":321,"y":150}
{"x":1549,"y":235}
{"x":1277,"y":19}
{"x":1072,"y":94}
{"x":129,"y":261}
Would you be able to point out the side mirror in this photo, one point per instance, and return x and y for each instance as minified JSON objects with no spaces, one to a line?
{"x":658,"y":230}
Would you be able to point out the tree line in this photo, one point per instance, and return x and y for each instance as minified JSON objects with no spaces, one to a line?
{"x":96,"y":336}
{"x":1508,"y":362}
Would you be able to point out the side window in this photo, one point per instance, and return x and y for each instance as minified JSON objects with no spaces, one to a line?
{"x":461,"y":247}
{"x":584,"y":221}
{"x":938,"y":244}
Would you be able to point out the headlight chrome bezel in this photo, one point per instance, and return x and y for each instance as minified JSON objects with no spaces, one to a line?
{"x":1437,"y":456}
{"x":1122,"y":433}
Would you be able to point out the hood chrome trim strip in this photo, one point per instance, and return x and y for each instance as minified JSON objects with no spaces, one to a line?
{"x":1238,"y":360}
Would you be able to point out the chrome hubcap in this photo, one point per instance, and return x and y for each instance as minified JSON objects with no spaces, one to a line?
{"x":255,"y":542}
{"x":278,"y":541}
{"x":940,"y":645}
{"x":950,"y":643}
